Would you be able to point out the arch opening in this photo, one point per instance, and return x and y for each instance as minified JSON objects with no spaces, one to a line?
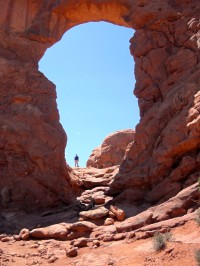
{"x":94,"y":75}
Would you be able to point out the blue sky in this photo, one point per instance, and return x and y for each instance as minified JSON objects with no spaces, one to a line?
{"x":94,"y":76}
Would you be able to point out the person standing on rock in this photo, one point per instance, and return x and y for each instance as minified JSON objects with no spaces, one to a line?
{"x":76,"y":159}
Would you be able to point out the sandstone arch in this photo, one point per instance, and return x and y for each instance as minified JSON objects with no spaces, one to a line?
{"x":166,"y":51}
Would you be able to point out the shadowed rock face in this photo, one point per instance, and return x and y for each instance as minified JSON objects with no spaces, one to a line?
{"x":32,"y":142}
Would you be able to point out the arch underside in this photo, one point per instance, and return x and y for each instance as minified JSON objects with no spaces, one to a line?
{"x":165,"y":48}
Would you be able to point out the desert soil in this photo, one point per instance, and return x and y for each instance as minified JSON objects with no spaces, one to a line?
{"x":180,"y":250}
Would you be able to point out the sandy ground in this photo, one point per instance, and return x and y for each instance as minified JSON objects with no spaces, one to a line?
{"x":180,"y":250}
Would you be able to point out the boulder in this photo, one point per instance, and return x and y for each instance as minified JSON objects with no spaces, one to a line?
{"x":56,"y":231}
{"x":109,"y":221}
{"x":99,"y":197}
{"x":96,"y":243}
{"x":95,"y":214}
{"x":17,"y":237}
{"x":112,"y":150}
{"x":64,"y":231}
{"x":6,"y":239}
{"x":119,"y":213}
{"x":72,"y":252}
{"x":82,"y":227}
{"x":24,"y":234}
{"x":80,"y":243}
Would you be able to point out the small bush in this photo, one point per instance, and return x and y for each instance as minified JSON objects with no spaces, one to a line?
{"x":159,"y":241}
{"x":197,"y":219}
{"x":197,"y":256}
{"x":168,"y":236}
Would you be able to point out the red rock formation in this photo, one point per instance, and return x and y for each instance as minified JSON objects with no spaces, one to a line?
{"x":167,"y":140}
{"x":112,"y":150}
{"x":166,"y":51}
{"x":175,"y":207}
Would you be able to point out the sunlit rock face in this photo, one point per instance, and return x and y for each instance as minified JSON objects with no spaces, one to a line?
{"x":32,"y":142}
{"x":165,"y":156}
{"x":112,"y":151}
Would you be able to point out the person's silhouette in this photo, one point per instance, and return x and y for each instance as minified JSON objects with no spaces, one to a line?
{"x":76,"y":159}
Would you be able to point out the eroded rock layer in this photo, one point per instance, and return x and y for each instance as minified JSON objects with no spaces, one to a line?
{"x":32,"y":142}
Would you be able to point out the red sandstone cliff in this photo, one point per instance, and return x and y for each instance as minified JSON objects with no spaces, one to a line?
{"x":166,"y":51}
